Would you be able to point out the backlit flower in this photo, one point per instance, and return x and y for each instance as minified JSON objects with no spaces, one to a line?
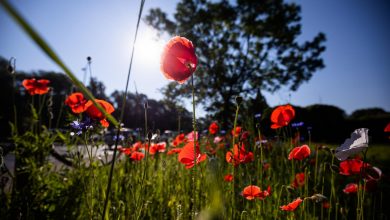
{"x":237,"y":132}
{"x":299,"y":180}
{"x":188,"y":157}
{"x":95,"y":113}
{"x":190,"y":136}
{"x":137,"y":156}
{"x":251,"y":192}
{"x":292,"y":206}
{"x":299,"y":153}
{"x":351,"y":167}
{"x":36,"y":87}
{"x":77,"y":102}
{"x":179,"y":139}
{"x":213,"y":128}
{"x":239,"y":155}
{"x":174,"y":151}
{"x":178,"y":60}
{"x":282,"y":116}
{"x":387,"y":128}
{"x":350,"y":188}
{"x":228,"y":178}
{"x":159,"y":147}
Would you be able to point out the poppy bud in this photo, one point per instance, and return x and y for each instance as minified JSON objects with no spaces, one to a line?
{"x":318,"y":197}
{"x":335,"y":168}
{"x":11,"y":65}
{"x":89,"y":59}
{"x":149,"y":135}
{"x":290,"y":189}
{"x":238,"y":100}
{"x":10,"y":69}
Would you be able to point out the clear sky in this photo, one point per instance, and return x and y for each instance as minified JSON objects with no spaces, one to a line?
{"x":357,"y":72}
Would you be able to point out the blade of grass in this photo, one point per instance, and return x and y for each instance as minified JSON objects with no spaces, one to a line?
{"x":122,"y":111}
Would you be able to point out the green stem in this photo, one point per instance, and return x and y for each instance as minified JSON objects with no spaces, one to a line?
{"x":234,"y":166}
{"x":195,"y":156}
{"x":117,"y":124}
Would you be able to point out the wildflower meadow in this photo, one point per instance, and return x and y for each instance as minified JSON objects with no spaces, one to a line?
{"x":245,"y":167}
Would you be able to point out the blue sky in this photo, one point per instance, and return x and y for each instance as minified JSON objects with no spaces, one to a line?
{"x":357,"y":72}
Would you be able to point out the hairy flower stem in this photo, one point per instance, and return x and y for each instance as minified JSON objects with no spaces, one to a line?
{"x":360,"y":199}
{"x":261,"y":157}
{"x":148,"y":136}
{"x":332,"y":192}
{"x":195,"y":156}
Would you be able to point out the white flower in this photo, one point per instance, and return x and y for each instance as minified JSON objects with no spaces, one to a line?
{"x":356,"y":143}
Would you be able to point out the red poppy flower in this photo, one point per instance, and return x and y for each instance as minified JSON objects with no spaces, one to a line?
{"x":299,"y":180}
{"x":187,"y":155}
{"x":179,"y":139}
{"x":237,"y":132}
{"x":94,"y":112}
{"x":159,"y":147}
{"x":266,"y":166}
{"x":36,"y":87}
{"x":174,"y":151}
{"x":299,"y":153}
{"x":351,"y":167}
{"x":239,"y":155}
{"x":228,"y":178}
{"x":137,"y":145}
{"x":251,"y":192}
{"x":137,"y":156}
{"x":292,"y":206}
{"x":211,"y":150}
{"x":350,"y":188}
{"x":125,"y":150}
{"x":77,"y":103}
{"x":387,"y":128}
{"x":190,"y":136}
{"x":244,"y":135}
{"x":326,"y":205}
{"x":213,"y":129}
{"x":282,"y":116}
{"x":265,"y":193}
{"x":178,"y":60}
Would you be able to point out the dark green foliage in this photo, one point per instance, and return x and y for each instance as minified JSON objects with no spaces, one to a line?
{"x":242,"y":47}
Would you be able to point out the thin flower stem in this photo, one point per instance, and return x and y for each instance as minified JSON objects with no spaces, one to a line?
{"x":234,"y":166}
{"x":332,"y":192}
{"x":195,"y":156}
{"x":118,"y":124}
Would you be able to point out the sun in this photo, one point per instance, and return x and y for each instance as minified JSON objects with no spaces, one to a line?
{"x":148,"y":47}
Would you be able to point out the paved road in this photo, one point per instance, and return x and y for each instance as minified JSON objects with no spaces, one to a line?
{"x":101,"y":153}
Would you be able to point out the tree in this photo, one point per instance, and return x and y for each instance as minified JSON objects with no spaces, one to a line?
{"x":18,"y":110}
{"x":161,"y":114}
{"x":97,"y":88}
{"x":242,"y":46}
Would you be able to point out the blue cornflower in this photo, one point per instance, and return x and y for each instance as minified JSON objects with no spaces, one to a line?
{"x":297,"y":124}
{"x":81,"y":126}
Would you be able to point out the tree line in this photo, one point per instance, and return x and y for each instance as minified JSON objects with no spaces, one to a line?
{"x":324,"y":122}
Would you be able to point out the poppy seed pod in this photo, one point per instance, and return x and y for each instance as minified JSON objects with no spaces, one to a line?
{"x":238,"y":100}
